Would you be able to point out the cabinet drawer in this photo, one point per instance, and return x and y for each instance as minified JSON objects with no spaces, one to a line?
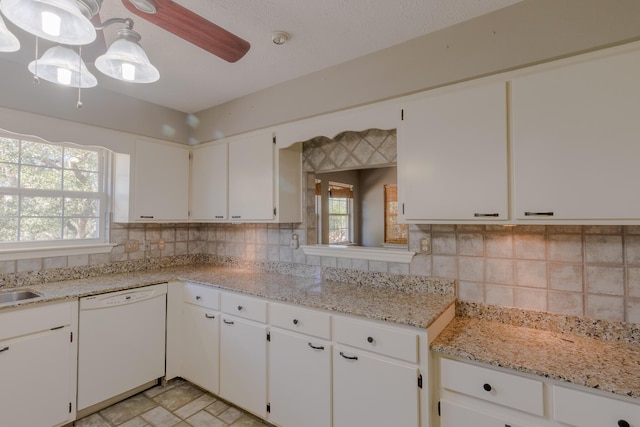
{"x":25,"y":321}
{"x":300,"y":320}
{"x":393,"y":342}
{"x":201,"y":295}
{"x":505,"y":389}
{"x":246,"y":307}
{"x":583,"y":409}
{"x":455,"y":415}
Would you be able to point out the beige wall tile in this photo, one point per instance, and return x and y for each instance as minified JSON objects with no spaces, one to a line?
{"x":7,"y":267}
{"x":398,"y":268}
{"x":499,"y":271}
{"x":499,"y":295}
{"x":471,"y":291}
{"x":444,"y":266}
{"x":603,"y":249}
{"x":55,"y":262}
{"x":499,"y":245}
{"x":605,"y":280}
{"x":565,"y":247}
{"x":633,"y":282}
{"x":531,"y":274}
{"x":633,"y":310}
{"x":531,"y":299}
{"x":565,"y":277}
{"x":443,"y":243}
{"x":470,"y":244}
{"x":78,"y":260}
{"x":471,"y":269}
{"x":632,"y":250}
{"x":420,"y":265}
{"x":569,"y":303}
{"x":31,"y":264}
{"x":605,"y":307}
{"x":530,"y":246}
{"x":379,"y":266}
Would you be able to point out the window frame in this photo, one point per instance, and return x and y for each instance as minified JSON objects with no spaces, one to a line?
{"x":61,"y":246}
{"x":343,"y":189}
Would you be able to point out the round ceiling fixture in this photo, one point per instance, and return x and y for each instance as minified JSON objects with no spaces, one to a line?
{"x":280,"y":37}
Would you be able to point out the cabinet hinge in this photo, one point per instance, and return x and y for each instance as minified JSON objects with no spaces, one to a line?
{"x":402,"y":114}
{"x":420,"y":381}
{"x":274,"y":211}
{"x":269,"y":336}
{"x":274,"y":139}
{"x":438,"y":408}
{"x":69,"y":407}
{"x":269,"y":408}
{"x":71,"y":337}
{"x":190,"y":155}
{"x":403,"y":209}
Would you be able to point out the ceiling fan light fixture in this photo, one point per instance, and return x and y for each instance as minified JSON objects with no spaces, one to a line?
{"x":126,"y":60}
{"x":8,"y":41}
{"x":63,"y":66}
{"x":60,"y":21}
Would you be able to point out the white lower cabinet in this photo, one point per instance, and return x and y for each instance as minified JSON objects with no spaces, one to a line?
{"x":371,"y":391}
{"x":38,"y":366}
{"x":577,"y":408}
{"x":299,"y":380}
{"x":243,"y":363}
{"x":201,"y":347}
{"x":459,"y":416}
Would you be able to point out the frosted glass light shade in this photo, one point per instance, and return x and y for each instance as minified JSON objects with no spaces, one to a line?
{"x":8,"y":42}
{"x":63,"y":66}
{"x":126,"y":60}
{"x":57,"y":20}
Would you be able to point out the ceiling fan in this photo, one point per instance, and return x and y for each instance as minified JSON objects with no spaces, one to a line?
{"x":191,"y":27}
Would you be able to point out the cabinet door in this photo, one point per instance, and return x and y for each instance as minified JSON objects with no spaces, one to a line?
{"x":161,"y":182}
{"x":201,"y":347}
{"x":452,"y":156}
{"x":365,"y":388}
{"x":209,"y":183}
{"x":251,"y":178}
{"x":36,"y":375}
{"x":575,"y":140}
{"x":453,"y":415}
{"x":299,"y":380}
{"x":243,"y":364}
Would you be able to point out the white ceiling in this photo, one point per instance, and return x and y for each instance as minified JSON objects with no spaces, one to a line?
{"x":323,"y":33}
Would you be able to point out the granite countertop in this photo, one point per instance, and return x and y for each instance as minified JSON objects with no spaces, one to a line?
{"x":600,"y":364}
{"x":418,"y":309}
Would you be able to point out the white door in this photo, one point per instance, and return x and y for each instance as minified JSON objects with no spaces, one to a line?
{"x":251,"y":178}
{"x":209,"y":183}
{"x":36,"y":373}
{"x":452,"y":155}
{"x":575,"y":140}
{"x":243,"y":364}
{"x":373,"y":392}
{"x":201,"y":347}
{"x":299,"y":380}
{"x":161,"y":182}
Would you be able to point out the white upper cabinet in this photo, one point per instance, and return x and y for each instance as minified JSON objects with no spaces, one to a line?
{"x":265,"y":183}
{"x":575,"y":143}
{"x":154,"y":185}
{"x":209,"y":183}
{"x":452,"y":155}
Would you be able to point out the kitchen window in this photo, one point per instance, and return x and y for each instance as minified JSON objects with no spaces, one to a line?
{"x":51,"y":195}
{"x":340,"y":213}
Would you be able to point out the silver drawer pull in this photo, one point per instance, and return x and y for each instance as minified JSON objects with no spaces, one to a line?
{"x":486,"y":215}
{"x":538,"y":214}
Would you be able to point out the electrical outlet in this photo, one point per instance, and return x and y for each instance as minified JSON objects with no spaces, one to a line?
{"x":425,"y":245}
{"x":161,"y":245}
{"x":131,"y":246}
{"x":294,"y":241}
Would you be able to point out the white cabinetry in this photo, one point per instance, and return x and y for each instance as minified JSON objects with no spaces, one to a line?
{"x":452,"y":155}
{"x":154,"y":186}
{"x":265,"y":183}
{"x":369,"y":378}
{"x":575,"y":140}
{"x":299,"y":367}
{"x":201,"y":337}
{"x":209,"y":183}
{"x":577,"y":408}
{"x":38,"y":365}
{"x":243,"y":353}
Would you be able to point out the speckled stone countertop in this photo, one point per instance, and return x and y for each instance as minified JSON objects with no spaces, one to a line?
{"x":419,"y":309}
{"x":600,"y":364}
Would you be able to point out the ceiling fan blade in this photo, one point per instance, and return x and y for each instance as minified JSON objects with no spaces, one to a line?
{"x":194,"y":29}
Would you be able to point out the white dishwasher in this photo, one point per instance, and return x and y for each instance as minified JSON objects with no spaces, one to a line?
{"x":121,"y":344}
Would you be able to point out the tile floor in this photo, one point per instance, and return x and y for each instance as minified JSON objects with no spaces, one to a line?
{"x":175,"y":404}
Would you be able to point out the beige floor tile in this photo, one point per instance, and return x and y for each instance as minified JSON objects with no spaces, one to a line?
{"x":136,"y":422}
{"x":154,"y":391}
{"x":93,"y":420}
{"x":192,"y":407}
{"x":178,"y":396}
{"x":249,"y":421}
{"x":217,"y":407}
{"x":205,"y":419}
{"x":127,"y":409}
{"x":160,"y":417}
{"x":231,"y":415}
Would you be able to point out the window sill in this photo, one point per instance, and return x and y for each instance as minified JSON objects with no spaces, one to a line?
{"x":360,"y":252}
{"x":54,"y":251}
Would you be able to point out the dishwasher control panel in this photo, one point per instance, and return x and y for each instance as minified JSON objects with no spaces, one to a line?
{"x":128,"y":296}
